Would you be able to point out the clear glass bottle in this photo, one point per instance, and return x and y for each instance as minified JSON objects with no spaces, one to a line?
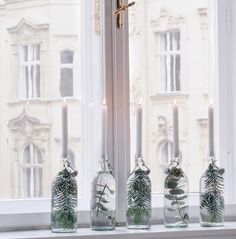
{"x":64,"y":200}
{"x":176,"y":196}
{"x":139,"y":208}
{"x":103,"y":199}
{"x":212,"y":196}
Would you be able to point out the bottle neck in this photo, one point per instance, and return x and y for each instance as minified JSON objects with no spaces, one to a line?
{"x":104,"y":165}
{"x":140,"y":164}
{"x":66,"y":164}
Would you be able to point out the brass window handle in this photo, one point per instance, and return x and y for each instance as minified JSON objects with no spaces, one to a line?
{"x":123,"y":8}
{"x":119,"y":11}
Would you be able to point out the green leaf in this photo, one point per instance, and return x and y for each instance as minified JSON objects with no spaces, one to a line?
{"x":103,"y":200}
{"x":180,"y":203}
{"x":182,"y":197}
{"x":172,"y":184}
{"x":172,"y":209}
{"x":184,"y":207}
{"x":111,"y":191}
{"x":176,"y":191}
{"x":100,"y":193}
{"x":101,"y":206}
{"x":212,"y":199}
{"x":186,"y":217}
{"x":170,"y":197}
{"x":64,"y":200}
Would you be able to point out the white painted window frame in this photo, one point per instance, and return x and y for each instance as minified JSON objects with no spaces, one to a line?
{"x":34,"y":213}
{"x":28,"y":64}
{"x":220,"y":73}
{"x":168,"y":53}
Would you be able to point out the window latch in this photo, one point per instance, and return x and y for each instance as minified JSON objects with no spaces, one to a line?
{"x":119,"y":11}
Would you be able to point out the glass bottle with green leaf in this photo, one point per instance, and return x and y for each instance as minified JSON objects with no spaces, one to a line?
{"x":64,"y":200}
{"x":212,"y":196}
{"x":103,"y":199}
{"x":176,"y":196}
{"x":138,"y":215}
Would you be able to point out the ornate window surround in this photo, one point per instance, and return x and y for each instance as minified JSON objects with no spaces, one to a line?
{"x":26,"y":129}
{"x":27,"y":32}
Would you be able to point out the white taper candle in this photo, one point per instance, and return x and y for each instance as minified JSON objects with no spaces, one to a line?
{"x":176,"y":130}
{"x":64,"y":129}
{"x":139,"y":120}
{"x":211,"y":130}
{"x":104,"y":130}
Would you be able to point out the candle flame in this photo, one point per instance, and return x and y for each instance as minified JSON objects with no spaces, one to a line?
{"x":175,"y":102}
{"x":211,"y":102}
{"x":104,"y":101}
{"x":64,"y":101}
{"x":140,"y":102}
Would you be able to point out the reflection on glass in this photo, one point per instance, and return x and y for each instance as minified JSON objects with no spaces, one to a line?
{"x":169,"y":60}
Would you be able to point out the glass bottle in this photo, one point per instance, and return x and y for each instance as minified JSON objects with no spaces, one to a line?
{"x":138,"y":215}
{"x":64,"y":200}
{"x":212,"y":196}
{"x":176,"y":196}
{"x":103,"y":199}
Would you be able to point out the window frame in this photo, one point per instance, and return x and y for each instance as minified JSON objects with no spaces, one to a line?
{"x":67,"y":66}
{"x":168,"y":53}
{"x":35,"y":213}
{"x":32,"y":165}
{"x":29,"y":64}
{"x":220,"y":19}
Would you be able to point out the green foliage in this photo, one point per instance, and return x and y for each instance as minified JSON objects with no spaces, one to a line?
{"x":64,"y":200}
{"x":100,"y":202}
{"x":139,"y":196}
{"x":176,"y":193}
{"x":212,"y":200}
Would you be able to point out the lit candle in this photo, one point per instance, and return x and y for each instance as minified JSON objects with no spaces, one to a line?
{"x":211,"y":130}
{"x":64,"y":129}
{"x":104,"y":129}
{"x":139,"y":131}
{"x":176,"y":130}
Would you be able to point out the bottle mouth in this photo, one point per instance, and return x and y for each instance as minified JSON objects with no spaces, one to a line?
{"x":140,"y":164}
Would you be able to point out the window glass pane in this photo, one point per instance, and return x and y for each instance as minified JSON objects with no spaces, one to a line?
{"x":39,"y":66}
{"x":66,"y":86}
{"x":25,"y":81}
{"x":177,"y":72}
{"x":26,"y":182}
{"x":167,"y":153}
{"x":37,"y":80}
{"x":163,"y":74}
{"x":67,"y":57}
{"x":35,"y":52}
{"x":71,"y":157}
{"x":163,"y":41}
{"x":169,"y":53}
{"x":25,"y":53}
{"x":27,"y":156}
{"x":37,"y":158}
{"x":37,"y":182}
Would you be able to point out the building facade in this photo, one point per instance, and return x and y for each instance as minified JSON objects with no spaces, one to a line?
{"x":41,"y":45}
{"x":39,"y":66}
{"x":169,"y":61}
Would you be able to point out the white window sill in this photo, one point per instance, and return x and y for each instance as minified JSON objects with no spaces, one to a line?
{"x":41,"y":100}
{"x":194,"y":231}
{"x":167,"y":96}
